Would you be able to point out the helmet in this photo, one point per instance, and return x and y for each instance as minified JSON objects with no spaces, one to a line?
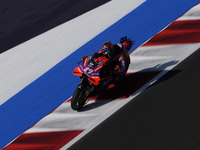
{"x":107,"y":49}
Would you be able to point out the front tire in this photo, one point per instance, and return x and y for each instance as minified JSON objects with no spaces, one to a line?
{"x":78,"y":99}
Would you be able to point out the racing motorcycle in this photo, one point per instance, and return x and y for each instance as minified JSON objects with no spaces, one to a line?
{"x":95,"y":76}
{"x":92,"y":73}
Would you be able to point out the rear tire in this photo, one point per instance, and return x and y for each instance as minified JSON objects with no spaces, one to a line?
{"x":77,"y":99}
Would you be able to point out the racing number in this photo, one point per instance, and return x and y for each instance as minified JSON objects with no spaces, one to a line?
{"x":88,"y":70}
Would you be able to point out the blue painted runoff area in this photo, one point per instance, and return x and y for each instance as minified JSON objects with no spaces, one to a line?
{"x":50,"y":90}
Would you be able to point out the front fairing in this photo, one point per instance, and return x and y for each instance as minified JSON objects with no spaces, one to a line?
{"x":91,"y":69}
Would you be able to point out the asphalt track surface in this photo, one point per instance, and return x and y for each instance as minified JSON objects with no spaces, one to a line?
{"x":164,"y":116}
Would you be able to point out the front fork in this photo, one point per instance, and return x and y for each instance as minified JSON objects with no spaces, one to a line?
{"x":87,"y":86}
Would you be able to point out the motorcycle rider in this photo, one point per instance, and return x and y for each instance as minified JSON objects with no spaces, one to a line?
{"x":118,"y":56}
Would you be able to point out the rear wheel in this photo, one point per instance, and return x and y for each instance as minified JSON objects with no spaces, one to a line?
{"x":78,"y":99}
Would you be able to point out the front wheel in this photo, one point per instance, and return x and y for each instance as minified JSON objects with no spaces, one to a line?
{"x":78,"y":99}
